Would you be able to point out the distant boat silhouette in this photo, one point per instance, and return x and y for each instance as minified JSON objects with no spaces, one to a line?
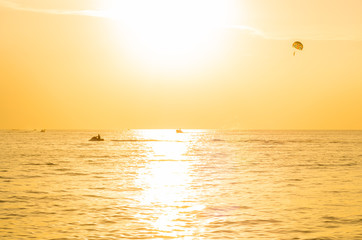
{"x":43,"y":130}
{"x":96,"y":138}
{"x":179,"y":130}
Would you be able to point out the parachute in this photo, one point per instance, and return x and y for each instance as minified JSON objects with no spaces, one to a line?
{"x":297,"y":45}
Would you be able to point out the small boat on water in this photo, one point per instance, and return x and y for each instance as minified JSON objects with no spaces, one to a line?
{"x":43,"y":130}
{"x":179,"y":130}
{"x":96,"y":138}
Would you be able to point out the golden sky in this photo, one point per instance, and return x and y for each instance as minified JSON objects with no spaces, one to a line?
{"x":113,"y":64}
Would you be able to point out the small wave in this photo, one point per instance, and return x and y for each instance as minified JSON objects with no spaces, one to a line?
{"x":70,"y":210}
{"x":36,"y":192}
{"x":217,"y":140}
{"x":63,"y":169}
{"x":39,"y":164}
{"x":55,"y":198}
{"x":100,"y":177}
{"x":19,"y":198}
{"x":76,"y":174}
{"x":247,"y":222}
{"x":87,"y":224}
{"x":223,"y":231}
{"x":228,"y":208}
{"x":356,"y":221}
{"x":94,"y":156}
{"x":336,"y":220}
{"x":336,"y":165}
{"x":302,"y":231}
{"x":107,"y":221}
{"x":295,"y":179}
{"x":91,"y":229}
{"x":98,"y":188}
{"x":30,"y":155}
{"x":301,"y":141}
{"x":129,"y":189}
{"x":321,"y":238}
{"x":29,"y":176}
{"x":278,"y":142}
{"x":15,"y":215}
{"x":38,"y":212}
{"x":2,"y":177}
{"x":263,"y":141}
{"x":97,"y":196}
{"x":320,"y":165}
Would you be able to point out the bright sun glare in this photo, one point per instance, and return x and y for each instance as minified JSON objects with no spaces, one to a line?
{"x":166,"y":180}
{"x":171,"y":33}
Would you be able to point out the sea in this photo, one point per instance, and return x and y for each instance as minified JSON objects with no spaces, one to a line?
{"x":199,"y":184}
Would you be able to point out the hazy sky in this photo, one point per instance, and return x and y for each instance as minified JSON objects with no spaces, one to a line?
{"x":112,"y":64}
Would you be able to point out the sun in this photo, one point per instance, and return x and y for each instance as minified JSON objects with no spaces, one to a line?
{"x":171,"y":34}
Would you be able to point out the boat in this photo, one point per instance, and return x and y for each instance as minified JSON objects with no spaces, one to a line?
{"x":43,"y":130}
{"x":96,"y":138}
{"x":179,"y":130}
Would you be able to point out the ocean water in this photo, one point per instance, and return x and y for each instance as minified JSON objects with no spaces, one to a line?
{"x":200,"y":184}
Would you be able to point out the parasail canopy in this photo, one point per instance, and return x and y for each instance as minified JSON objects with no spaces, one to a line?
{"x":298,"y":45}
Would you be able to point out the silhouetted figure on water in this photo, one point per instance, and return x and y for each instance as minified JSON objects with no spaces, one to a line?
{"x":96,"y":138}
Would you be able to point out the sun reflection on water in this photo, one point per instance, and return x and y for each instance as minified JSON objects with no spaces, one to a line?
{"x":166,"y":180}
